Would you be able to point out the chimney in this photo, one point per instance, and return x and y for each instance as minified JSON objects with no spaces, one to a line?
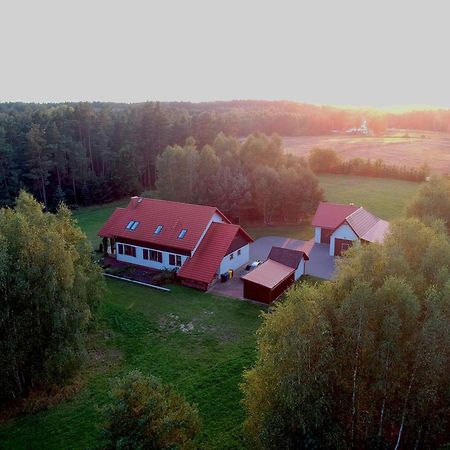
{"x":135,"y":200}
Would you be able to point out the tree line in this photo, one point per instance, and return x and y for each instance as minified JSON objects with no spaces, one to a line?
{"x":87,"y":153}
{"x":254,"y":178}
{"x":325,"y":160}
{"x":363,"y":361}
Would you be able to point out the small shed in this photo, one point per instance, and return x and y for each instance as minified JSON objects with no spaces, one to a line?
{"x":291,"y":258}
{"x":268,"y":281}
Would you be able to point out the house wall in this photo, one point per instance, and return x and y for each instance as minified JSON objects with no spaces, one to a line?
{"x":317,"y":233}
{"x":237,"y":261}
{"x":343,"y":232}
{"x":139,"y":259}
{"x":300,"y":269}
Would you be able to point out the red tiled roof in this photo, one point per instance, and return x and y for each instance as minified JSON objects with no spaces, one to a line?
{"x":203,"y":265}
{"x":269,"y":274}
{"x":287,"y":256}
{"x":331,"y":215}
{"x":173,"y":216}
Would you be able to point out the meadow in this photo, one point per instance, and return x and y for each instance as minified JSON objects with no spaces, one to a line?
{"x":137,"y":327}
{"x":141,"y":328}
{"x":409,"y":148}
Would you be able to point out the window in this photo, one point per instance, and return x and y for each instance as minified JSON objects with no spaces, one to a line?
{"x":175,"y":260}
{"x":182,"y":233}
{"x":129,"y":250}
{"x":132,"y":225}
{"x":158,"y":229}
{"x":231,"y":256}
{"x":151,"y":255}
{"x":120,"y":249}
{"x":239,"y":252}
{"x":155,"y":256}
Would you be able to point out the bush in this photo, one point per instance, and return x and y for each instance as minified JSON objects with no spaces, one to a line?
{"x":165,"y":277}
{"x":145,"y":414}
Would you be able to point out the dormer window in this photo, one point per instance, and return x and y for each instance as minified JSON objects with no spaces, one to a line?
{"x":158,"y":229}
{"x":132,"y":225}
{"x":182,"y":233}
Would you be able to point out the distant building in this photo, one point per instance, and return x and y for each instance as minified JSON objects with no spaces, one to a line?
{"x":362,"y":130}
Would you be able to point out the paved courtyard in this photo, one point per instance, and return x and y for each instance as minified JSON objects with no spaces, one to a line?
{"x":320,"y":263}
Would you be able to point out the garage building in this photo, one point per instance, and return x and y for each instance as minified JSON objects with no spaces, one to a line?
{"x":269,"y":280}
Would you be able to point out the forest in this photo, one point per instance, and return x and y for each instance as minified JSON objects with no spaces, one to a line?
{"x":87,"y":153}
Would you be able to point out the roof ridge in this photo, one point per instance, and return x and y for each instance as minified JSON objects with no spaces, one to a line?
{"x":356,"y":210}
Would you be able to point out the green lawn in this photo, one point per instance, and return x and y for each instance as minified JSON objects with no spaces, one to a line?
{"x":92,"y":218}
{"x":385,"y":198}
{"x":140,"y":328}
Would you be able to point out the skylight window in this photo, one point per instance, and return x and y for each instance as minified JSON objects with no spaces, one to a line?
{"x":182,"y":233}
{"x":132,"y":225}
{"x":158,"y":229}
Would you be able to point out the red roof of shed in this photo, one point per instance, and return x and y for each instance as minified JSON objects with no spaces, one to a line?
{"x":172,"y":216}
{"x":331,"y":215}
{"x":269,"y":274}
{"x":203,"y":265}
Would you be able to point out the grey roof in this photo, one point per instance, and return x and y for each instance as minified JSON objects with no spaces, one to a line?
{"x":287,"y":256}
{"x":367,"y":226}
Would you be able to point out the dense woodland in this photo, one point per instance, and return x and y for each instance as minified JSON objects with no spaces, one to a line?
{"x":89,"y":153}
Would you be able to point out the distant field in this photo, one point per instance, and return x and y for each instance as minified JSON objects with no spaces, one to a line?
{"x":385,"y":198}
{"x":402,"y":147}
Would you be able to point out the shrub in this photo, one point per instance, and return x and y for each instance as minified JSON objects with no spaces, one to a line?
{"x":145,"y":414}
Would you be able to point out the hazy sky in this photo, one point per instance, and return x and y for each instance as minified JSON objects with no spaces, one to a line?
{"x":377,"y":53}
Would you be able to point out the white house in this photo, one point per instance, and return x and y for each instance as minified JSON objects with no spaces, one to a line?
{"x":198,"y":241}
{"x":341,"y":225}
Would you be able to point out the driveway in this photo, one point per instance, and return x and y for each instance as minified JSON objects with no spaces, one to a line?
{"x":320,"y":263}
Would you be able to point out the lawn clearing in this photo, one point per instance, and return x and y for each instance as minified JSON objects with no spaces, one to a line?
{"x":382,"y":197}
{"x":91,"y":218}
{"x":144,"y":328}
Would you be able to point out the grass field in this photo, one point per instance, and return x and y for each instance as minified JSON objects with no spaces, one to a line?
{"x":140,"y":328}
{"x":402,"y":147}
{"x":382,"y":197}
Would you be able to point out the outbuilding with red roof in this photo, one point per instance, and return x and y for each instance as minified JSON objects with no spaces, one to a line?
{"x":340,"y":225}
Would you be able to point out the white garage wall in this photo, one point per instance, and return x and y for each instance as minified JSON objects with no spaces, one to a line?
{"x":139,"y":259}
{"x":343,"y":232}
{"x":300,"y":269}
{"x":317,"y":235}
{"x":237,"y":261}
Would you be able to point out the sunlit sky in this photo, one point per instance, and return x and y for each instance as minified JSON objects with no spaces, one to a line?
{"x":362,"y":53}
